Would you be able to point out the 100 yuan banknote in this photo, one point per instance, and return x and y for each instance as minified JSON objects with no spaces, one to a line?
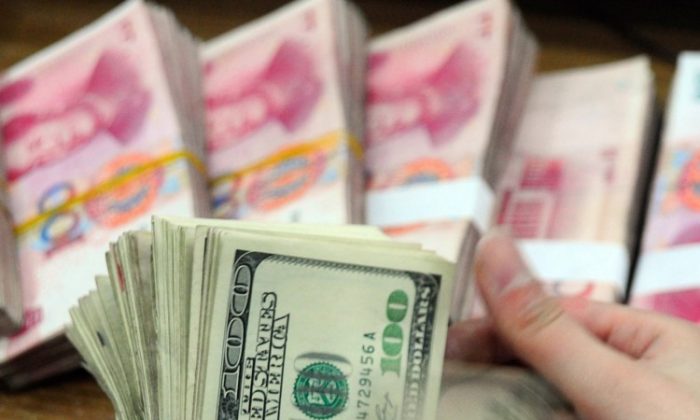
{"x":279,"y":142}
{"x":10,"y":289}
{"x":667,"y":278}
{"x":92,"y":145}
{"x":570,"y":188}
{"x":432,"y":90}
{"x":432,"y":95}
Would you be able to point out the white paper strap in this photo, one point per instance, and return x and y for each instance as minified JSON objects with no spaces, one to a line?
{"x":469,"y":198}
{"x":559,"y":260}
{"x":672,"y":269}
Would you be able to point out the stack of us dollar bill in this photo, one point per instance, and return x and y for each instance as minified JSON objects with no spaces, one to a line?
{"x":205,"y":319}
{"x":98,"y":132}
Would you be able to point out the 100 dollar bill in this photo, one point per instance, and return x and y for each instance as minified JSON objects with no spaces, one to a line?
{"x":300,"y":330}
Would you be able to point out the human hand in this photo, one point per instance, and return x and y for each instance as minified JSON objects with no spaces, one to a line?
{"x":610,"y":361}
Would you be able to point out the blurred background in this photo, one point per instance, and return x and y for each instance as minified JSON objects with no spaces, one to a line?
{"x":571,"y":33}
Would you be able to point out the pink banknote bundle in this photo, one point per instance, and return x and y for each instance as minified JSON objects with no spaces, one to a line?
{"x":443,"y":98}
{"x":667,"y":278}
{"x":99,"y":132}
{"x":572,"y":187}
{"x":10,"y":284}
{"x":286,"y":90}
{"x":284,"y":115}
{"x":112,"y":99}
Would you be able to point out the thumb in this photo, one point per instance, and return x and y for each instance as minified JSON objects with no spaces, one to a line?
{"x":540,"y":333}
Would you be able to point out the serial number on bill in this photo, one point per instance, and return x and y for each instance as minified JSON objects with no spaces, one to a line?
{"x":364,"y":388}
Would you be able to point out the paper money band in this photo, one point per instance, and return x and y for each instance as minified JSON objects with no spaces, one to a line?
{"x":325,"y":142}
{"x":111,"y":184}
{"x":664,"y":271}
{"x":467,"y":198}
{"x":577,"y":261}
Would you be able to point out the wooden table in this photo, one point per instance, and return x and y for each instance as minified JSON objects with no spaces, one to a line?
{"x":28,"y":26}
{"x":71,"y":396}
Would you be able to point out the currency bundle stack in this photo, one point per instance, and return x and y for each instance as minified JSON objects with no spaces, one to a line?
{"x":444,"y":97}
{"x":572,"y":190}
{"x":231,"y":320}
{"x":10,"y":286}
{"x":667,"y":277}
{"x":284,"y":111}
{"x":98,"y":132}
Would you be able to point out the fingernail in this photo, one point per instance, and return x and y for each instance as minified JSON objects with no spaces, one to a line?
{"x":500,"y":268}
{"x":503,"y":230}
{"x":506,"y":283}
{"x":493,"y":233}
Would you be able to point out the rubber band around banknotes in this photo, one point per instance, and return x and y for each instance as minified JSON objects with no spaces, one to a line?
{"x":326,"y":141}
{"x":110,"y":185}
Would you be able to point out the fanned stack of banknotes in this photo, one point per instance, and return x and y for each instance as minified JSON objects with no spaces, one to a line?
{"x":303,"y":129}
{"x":212,"y":319}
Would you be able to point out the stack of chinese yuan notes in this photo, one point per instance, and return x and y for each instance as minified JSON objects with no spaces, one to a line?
{"x":98,"y":132}
{"x":10,"y":290}
{"x":204,"y":319}
{"x":667,"y":278}
{"x":285,"y":117}
{"x":444,"y":97}
{"x":572,"y":191}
